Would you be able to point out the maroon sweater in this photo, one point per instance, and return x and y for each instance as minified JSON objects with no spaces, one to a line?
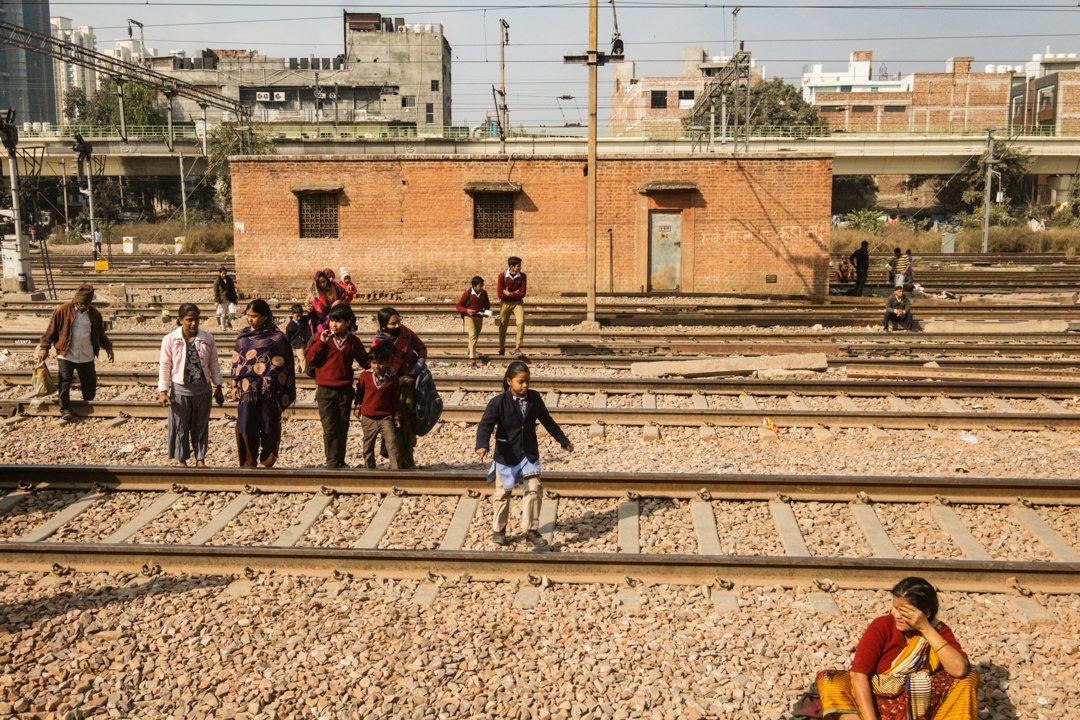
{"x":374,"y":400}
{"x":333,"y":366}
{"x":478,"y":302}
{"x":511,"y":288}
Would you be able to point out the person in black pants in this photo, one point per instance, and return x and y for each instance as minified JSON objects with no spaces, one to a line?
{"x":77,"y":331}
{"x":861,"y":260}
{"x":897,"y":310}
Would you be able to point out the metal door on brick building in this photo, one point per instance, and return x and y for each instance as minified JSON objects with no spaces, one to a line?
{"x":665,"y":250}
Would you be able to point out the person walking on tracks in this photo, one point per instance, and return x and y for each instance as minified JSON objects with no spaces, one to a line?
{"x":512,"y":287}
{"x":187,"y":366}
{"x":512,"y":417}
{"x":474,"y":306}
{"x":77,"y":331}
{"x":333,"y":353}
{"x":861,"y":260}
{"x":264,"y":384}
{"x":408,"y":357}
{"x":225,"y":297}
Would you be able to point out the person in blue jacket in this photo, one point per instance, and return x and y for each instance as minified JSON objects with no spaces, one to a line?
{"x":512,"y":416}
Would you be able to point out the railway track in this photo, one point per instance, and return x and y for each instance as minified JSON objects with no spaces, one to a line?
{"x":42,"y":528}
{"x":647,"y":345}
{"x":998,"y":407}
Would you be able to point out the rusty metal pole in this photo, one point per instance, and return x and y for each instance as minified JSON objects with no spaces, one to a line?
{"x":590,"y":251}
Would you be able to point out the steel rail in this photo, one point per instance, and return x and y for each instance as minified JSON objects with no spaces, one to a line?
{"x":740,"y":487}
{"x":914,"y":419}
{"x":826,"y":387}
{"x":609,"y":568}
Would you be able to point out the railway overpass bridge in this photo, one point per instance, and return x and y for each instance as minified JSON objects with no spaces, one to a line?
{"x":146,"y":153}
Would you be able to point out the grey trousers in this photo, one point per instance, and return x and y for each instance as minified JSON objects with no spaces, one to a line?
{"x":189,"y":425}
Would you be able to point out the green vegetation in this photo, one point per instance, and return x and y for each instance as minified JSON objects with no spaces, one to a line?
{"x":964,"y":191}
{"x":968,"y":240}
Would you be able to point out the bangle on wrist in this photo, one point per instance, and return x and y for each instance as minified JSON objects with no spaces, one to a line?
{"x":938,"y":648}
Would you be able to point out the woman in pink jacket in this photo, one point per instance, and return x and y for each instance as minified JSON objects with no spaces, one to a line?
{"x":187,"y":368}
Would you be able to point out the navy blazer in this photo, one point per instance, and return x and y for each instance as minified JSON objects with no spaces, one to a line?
{"x":515,"y":439}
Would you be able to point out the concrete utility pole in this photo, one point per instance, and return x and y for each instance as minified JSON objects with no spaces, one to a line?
{"x":120,"y":101}
{"x":17,"y":260}
{"x":64,"y":190}
{"x":183,"y":190}
{"x":593,"y":59}
{"x":986,"y":195}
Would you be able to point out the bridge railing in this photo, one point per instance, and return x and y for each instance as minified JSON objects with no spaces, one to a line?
{"x":328,"y":132}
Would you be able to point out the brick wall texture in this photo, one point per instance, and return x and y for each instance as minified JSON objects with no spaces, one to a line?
{"x":406,"y":222}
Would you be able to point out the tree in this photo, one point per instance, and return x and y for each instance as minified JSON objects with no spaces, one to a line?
{"x":228,"y":139}
{"x":865,"y":220}
{"x":140,"y":105}
{"x":965,"y":190}
{"x":853,"y":192}
{"x":775,"y":103}
{"x":76,"y":105}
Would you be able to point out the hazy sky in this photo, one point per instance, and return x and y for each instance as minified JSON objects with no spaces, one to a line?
{"x":783,"y":35}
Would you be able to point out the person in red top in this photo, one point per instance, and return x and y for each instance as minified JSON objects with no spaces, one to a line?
{"x":512,"y":286}
{"x":474,"y":306}
{"x":907,"y":665}
{"x":408,"y":356}
{"x":332,"y":353}
{"x":348,"y":287}
{"x":378,"y":405}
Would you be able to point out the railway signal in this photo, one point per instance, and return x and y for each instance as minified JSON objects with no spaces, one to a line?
{"x":16,"y":256}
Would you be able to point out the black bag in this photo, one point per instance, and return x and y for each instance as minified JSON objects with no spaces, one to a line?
{"x":429,"y":405}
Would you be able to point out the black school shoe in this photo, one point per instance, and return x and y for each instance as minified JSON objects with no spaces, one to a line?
{"x":499,"y":538}
{"x":534,"y":538}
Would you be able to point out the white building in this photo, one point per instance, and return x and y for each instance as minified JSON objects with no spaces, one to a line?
{"x":131,"y":50}
{"x":858,"y":78}
{"x":69,"y":75}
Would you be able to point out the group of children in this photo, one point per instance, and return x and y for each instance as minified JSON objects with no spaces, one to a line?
{"x":474,"y":305}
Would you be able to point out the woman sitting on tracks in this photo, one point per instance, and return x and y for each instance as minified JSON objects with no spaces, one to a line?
{"x":408,"y":356}
{"x":187,"y":365}
{"x":264,"y":382}
{"x":907,"y":664}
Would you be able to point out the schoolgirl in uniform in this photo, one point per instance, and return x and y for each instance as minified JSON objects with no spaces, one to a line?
{"x":512,"y":416}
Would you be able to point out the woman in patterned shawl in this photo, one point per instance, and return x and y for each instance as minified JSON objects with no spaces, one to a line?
{"x":325,"y":293}
{"x":264,"y":383}
{"x":907,"y":666}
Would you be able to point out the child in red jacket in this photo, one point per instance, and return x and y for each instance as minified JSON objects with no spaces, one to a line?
{"x":378,"y":405}
{"x":332,"y":353}
{"x":474,"y":306}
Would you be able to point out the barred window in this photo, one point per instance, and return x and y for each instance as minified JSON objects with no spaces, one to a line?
{"x":493,"y":215}
{"x":319,"y":215}
{"x":658,"y":99}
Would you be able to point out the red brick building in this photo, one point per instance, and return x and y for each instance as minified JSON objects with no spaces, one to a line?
{"x":748,"y":224}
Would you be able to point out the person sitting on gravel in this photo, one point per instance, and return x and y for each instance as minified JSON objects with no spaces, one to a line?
{"x":77,"y":331}
{"x":512,"y":416}
{"x":897,"y":310}
{"x":907,"y":664}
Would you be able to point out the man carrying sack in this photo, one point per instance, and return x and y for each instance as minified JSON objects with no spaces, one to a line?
{"x":77,"y":331}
